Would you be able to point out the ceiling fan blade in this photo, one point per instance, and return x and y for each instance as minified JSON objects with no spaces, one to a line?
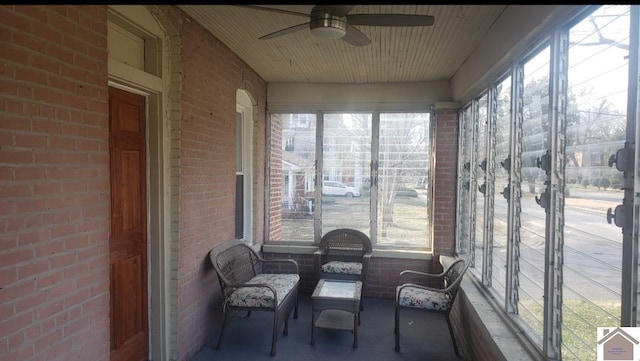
{"x":355,"y":37}
{"x":285,"y":31}
{"x":275,"y":10}
{"x":390,"y":20}
{"x":337,"y":10}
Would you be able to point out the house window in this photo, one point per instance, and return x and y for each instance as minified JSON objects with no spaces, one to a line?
{"x":371,"y":172}
{"x":239,"y":230}
{"x":289,"y":144}
{"x":302,"y":121}
{"x":244,"y":177}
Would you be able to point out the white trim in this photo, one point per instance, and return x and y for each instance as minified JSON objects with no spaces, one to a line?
{"x":127,"y":74}
{"x":140,"y":22}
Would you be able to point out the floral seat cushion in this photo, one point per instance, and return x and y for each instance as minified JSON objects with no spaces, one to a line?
{"x":348,"y":268}
{"x":426,"y":299}
{"x":262,"y":296}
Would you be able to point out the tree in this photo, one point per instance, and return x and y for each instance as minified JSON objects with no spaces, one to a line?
{"x":404,"y":143}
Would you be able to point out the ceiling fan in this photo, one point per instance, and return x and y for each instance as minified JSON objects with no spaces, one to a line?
{"x":334,"y":21}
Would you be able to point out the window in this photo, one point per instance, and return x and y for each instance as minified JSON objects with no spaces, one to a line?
{"x":535,"y":125}
{"x":371,"y":172}
{"x":239,"y":231}
{"x":289,"y":145}
{"x":541,"y":243}
{"x":346,"y":164}
{"x":292,"y":177}
{"x":500,"y":170}
{"x":244,"y":178}
{"x":403,"y":173}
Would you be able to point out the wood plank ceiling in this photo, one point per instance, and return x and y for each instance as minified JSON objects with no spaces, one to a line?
{"x":396,"y":54}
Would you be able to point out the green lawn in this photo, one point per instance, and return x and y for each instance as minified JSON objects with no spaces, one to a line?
{"x":580,"y":322}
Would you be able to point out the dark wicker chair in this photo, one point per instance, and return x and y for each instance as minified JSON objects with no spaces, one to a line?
{"x":343,"y":254}
{"x":247,"y":286}
{"x":429,"y":292}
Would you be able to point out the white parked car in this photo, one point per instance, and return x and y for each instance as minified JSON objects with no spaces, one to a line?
{"x":332,"y":188}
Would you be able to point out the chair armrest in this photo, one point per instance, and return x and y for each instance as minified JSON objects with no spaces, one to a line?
{"x":293,"y":265}
{"x":417,"y":275}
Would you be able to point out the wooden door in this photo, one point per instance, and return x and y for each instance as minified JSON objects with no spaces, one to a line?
{"x":128,"y":236}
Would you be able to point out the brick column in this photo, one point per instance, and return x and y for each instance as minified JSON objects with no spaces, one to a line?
{"x":445,"y":176}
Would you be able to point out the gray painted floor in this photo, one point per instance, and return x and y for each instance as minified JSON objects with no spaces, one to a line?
{"x":423,"y":336}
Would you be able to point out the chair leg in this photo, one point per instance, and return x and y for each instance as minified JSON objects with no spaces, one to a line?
{"x":396,"y":329}
{"x":274,"y":337}
{"x":224,"y":326}
{"x":453,"y":337}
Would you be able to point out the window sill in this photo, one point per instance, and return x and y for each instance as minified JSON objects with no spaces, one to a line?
{"x":383,"y":253}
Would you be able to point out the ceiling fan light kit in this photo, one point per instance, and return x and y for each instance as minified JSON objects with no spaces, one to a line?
{"x":325,"y":25}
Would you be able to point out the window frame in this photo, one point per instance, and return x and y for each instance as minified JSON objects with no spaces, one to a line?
{"x":549,"y":343}
{"x":244,"y":125}
{"x":319,"y":177}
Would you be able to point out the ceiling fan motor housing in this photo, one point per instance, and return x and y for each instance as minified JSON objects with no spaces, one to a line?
{"x":325,"y":25}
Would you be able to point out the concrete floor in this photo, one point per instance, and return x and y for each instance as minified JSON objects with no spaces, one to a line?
{"x":423,"y":336}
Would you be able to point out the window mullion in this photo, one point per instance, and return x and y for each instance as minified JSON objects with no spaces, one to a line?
{"x":373,"y":176}
{"x":513,"y":230}
{"x":473,"y":180}
{"x":317,"y":216}
{"x":490,"y":182}
{"x":554,"y":236}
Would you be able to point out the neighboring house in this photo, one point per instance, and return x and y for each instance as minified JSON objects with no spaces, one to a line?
{"x":297,"y":174}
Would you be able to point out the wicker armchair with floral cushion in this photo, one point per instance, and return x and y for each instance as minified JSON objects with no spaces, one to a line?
{"x":343,"y":254}
{"x":247,"y":285}
{"x":429,"y":292}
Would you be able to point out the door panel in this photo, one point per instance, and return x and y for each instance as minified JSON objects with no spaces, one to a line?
{"x":128,"y":236}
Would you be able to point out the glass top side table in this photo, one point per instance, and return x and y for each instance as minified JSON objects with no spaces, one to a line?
{"x":336,"y":305}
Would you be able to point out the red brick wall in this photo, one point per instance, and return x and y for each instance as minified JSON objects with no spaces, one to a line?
{"x":471,"y":334}
{"x":211,"y":75}
{"x":444,"y":181}
{"x":54,"y":183}
{"x":276,"y":179}
{"x":54,"y":300}
{"x":383,"y":275}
